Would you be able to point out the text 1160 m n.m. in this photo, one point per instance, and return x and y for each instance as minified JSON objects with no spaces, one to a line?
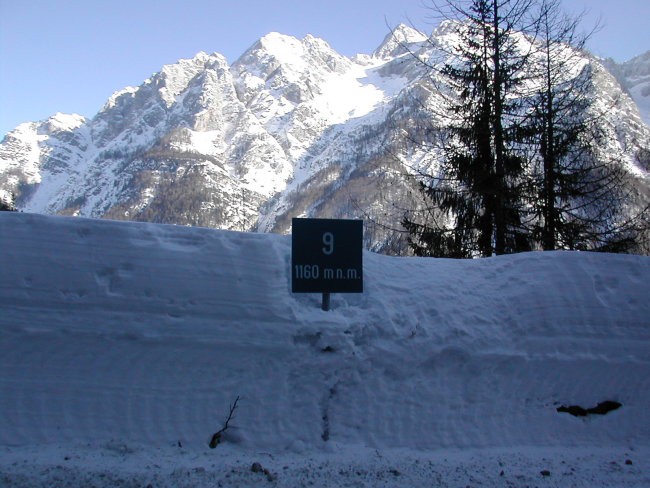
{"x":314,"y":272}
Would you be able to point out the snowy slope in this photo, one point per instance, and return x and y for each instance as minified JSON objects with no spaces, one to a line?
{"x":122,"y":346}
{"x":634,"y":76}
{"x":290,"y":128}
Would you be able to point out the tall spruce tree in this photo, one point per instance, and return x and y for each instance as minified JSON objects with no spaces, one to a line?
{"x":522,"y":166}
{"x":580,"y":197}
{"x":478,"y":190}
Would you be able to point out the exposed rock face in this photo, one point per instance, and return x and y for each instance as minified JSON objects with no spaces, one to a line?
{"x":634,"y":77}
{"x":292,"y":128}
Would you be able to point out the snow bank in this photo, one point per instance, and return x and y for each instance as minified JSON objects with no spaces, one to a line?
{"x":134,"y":334}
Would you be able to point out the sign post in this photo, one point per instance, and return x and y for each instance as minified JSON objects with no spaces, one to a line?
{"x":326,"y":257}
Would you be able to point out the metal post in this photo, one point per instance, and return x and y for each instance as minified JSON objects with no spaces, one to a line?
{"x":326,"y":301}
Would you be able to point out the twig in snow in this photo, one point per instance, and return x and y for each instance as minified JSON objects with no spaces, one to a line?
{"x":216,"y":437}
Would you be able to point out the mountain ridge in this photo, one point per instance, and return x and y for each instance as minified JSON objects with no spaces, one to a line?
{"x":290,"y":128}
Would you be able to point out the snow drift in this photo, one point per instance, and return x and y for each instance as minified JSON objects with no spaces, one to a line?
{"x":144,"y":334}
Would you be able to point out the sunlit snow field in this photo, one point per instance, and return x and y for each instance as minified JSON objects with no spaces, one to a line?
{"x":123,"y":345}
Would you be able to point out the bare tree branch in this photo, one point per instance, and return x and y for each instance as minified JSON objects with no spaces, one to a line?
{"x":216,"y":437}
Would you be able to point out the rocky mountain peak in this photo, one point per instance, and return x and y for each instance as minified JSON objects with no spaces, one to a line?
{"x":290,"y":54}
{"x":290,"y":128}
{"x":399,"y":41}
{"x":64,"y":122}
{"x":173,"y":79}
{"x":634,"y":77}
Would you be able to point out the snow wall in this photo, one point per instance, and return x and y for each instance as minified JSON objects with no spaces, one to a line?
{"x":144,"y":333}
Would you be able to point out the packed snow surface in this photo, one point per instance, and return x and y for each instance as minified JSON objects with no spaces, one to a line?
{"x":123,"y":346}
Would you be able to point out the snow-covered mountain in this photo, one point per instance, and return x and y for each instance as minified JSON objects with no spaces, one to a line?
{"x":292,"y":128}
{"x":634,"y":76}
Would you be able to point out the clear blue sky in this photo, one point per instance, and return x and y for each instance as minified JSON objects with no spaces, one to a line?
{"x":71,"y":55}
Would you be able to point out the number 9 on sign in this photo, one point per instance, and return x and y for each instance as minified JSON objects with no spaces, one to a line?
{"x":328,"y":241}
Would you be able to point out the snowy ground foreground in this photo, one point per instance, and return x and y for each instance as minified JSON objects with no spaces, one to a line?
{"x":122,"y":346}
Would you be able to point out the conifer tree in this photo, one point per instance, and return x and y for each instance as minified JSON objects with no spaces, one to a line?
{"x":522,"y":162}
{"x":479,"y":187}
{"x":580,"y":197}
